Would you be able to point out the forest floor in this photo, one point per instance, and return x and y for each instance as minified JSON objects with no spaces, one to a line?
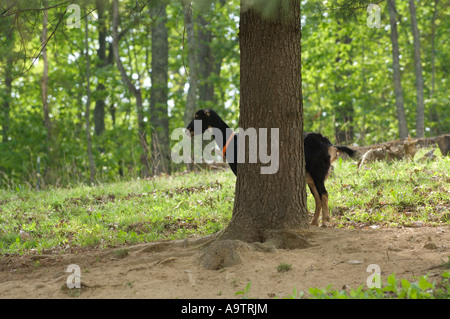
{"x":339,"y":257}
{"x":137,"y":239}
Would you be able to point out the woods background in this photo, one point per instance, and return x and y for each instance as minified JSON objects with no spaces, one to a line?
{"x":96,"y":97}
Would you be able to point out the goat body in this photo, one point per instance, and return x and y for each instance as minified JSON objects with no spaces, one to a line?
{"x":320,"y":153}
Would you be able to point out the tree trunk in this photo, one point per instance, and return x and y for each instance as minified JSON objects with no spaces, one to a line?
{"x":99,"y":110}
{"x":191,"y":100}
{"x":420,"y":117}
{"x":159,"y":116}
{"x":207,"y":65}
{"x":271,"y":98}
{"x":344,"y":106}
{"x":434,"y":116}
{"x":44,"y":83}
{"x":7,"y":97}
{"x":135,"y":91}
{"x":402,"y":126}
{"x":88,"y":106}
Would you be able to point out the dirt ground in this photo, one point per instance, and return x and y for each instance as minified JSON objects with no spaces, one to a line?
{"x":339,"y":257}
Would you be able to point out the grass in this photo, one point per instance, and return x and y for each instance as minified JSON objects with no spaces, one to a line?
{"x":112,"y":215}
{"x":284,"y":267}
{"x":420,"y":288}
{"x":400,"y":193}
{"x":403,"y":193}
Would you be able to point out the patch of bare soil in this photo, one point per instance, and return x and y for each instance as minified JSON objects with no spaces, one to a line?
{"x":172,"y":270}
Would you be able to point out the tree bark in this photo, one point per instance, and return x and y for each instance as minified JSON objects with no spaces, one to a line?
{"x":88,"y":106}
{"x":270,"y":98}
{"x":402,"y":125}
{"x":420,"y":117}
{"x":99,"y":110}
{"x":134,"y":90}
{"x":159,"y":116}
{"x":434,"y":113}
{"x":7,"y":97}
{"x":191,"y":100}
{"x":44,"y":83}
{"x":344,"y":105}
{"x":207,"y":65}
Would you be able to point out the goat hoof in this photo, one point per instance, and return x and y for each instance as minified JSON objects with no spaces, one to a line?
{"x":315,"y":223}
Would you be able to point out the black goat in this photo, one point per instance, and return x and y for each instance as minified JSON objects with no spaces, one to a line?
{"x":319,"y":154}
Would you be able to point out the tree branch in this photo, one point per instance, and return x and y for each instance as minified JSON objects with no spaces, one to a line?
{"x":3,"y":15}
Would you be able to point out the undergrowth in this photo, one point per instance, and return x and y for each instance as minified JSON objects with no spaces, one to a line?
{"x":419,"y":288}
{"x":397,"y":194}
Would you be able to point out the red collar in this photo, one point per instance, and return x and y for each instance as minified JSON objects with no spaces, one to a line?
{"x":224,"y":151}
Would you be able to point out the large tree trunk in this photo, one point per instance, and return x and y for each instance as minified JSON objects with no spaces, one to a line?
{"x":135,"y":91}
{"x":271,"y":98}
{"x":402,"y":126}
{"x":88,"y":106}
{"x":159,"y":116}
{"x":420,"y":117}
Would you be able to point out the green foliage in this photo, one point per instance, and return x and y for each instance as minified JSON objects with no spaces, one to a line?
{"x":421,"y":288}
{"x":110,"y":215}
{"x":347,"y":71}
{"x":295,"y":294}
{"x":284,"y":267}
{"x":244,"y":294}
{"x":397,"y":194}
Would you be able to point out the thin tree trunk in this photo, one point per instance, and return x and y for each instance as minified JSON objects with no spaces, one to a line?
{"x":420,"y":117}
{"x":44,"y":83}
{"x":207,"y":65}
{"x":135,"y":91}
{"x":8,"y":56}
{"x":434,"y":113}
{"x":344,"y":106}
{"x":7,"y":98}
{"x":88,"y":106}
{"x":191,"y":100}
{"x":159,"y":116}
{"x":270,"y":98}
{"x":402,"y":125}
{"x":99,"y":110}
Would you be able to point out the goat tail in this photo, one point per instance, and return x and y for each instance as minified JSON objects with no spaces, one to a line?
{"x":347,"y":150}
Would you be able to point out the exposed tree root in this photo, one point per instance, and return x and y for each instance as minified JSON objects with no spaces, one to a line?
{"x":225,"y":253}
{"x":287,"y":239}
{"x":216,"y":253}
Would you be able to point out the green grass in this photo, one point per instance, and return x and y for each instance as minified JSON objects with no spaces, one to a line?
{"x":420,"y":288}
{"x":401,"y":193}
{"x":111,"y":215}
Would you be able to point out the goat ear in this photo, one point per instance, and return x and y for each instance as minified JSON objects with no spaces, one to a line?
{"x":207,"y":113}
